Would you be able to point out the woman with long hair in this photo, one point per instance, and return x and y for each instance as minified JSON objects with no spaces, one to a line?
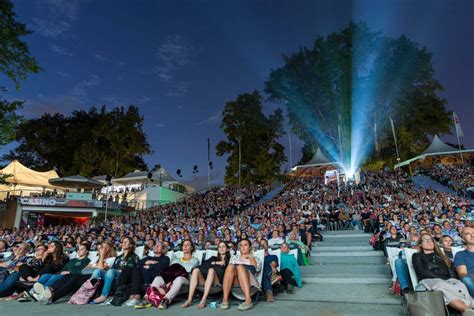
{"x":209,"y":273}
{"x":435,"y":272}
{"x":241,"y":272}
{"x":104,"y":269}
{"x":188,"y":262}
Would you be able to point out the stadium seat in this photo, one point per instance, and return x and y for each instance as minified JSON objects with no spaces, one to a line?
{"x":393,"y":255}
{"x":409,"y":255}
{"x":237,"y":291}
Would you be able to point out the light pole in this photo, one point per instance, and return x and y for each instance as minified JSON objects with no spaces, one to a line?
{"x":240,"y":156}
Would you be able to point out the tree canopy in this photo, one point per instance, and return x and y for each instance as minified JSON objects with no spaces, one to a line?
{"x":16,"y":63}
{"x":357,"y":78}
{"x":90,"y":143}
{"x":261,"y":154}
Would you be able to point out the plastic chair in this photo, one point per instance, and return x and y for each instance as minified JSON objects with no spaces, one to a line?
{"x":393,"y":255}
{"x":237,"y":291}
{"x":409,"y":255}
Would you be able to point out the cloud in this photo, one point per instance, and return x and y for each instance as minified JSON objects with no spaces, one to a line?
{"x":80,"y":89}
{"x":101,"y":57}
{"x":60,"y":50}
{"x":214,"y":118}
{"x":173,"y":54}
{"x":57,"y":16}
{"x":160,"y":125}
{"x":64,"y":74}
{"x":144,"y":99}
{"x":178,"y":90}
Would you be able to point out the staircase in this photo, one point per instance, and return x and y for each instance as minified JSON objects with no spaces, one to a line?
{"x":267,"y":197}
{"x":347,"y":278}
{"x":424,"y":182}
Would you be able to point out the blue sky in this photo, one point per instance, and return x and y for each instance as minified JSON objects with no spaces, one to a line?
{"x":180,"y":61}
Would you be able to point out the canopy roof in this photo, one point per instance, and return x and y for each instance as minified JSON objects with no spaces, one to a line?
{"x":142,"y":176}
{"x":319,"y":159}
{"x":436,"y":148}
{"x":76,"y":181}
{"x":24,"y":176}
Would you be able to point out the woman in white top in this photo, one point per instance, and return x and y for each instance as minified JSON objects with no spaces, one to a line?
{"x":188,"y":262}
{"x":241,"y":272}
{"x":276,"y":239}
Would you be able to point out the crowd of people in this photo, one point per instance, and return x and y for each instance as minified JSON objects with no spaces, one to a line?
{"x":458,"y":178}
{"x":230,"y":221}
{"x":432,"y":224}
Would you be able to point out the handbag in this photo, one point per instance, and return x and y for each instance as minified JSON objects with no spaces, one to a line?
{"x":155,"y":296}
{"x":172,"y":272}
{"x":120,"y":296}
{"x":85,"y":292}
{"x":429,"y":303}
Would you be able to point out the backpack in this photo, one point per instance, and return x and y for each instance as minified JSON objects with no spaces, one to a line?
{"x":155,"y":296}
{"x":85,"y":292}
{"x":120,"y":296}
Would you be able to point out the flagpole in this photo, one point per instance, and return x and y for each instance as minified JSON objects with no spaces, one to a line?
{"x":457,"y":136}
{"x":291,"y":158}
{"x":208,"y":162}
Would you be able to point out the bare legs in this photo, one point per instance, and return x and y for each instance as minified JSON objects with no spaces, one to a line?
{"x":196,"y":279}
{"x":210,"y":281}
{"x":239,"y":276}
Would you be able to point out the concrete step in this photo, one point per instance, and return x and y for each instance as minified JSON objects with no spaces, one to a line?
{"x":343,"y":293}
{"x":325,"y":248}
{"x":370,"y":253}
{"x":344,"y":278}
{"x":346,"y":234}
{"x":336,"y":242}
{"x":343,"y":232}
{"x":349,"y":268}
{"x":316,"y":259}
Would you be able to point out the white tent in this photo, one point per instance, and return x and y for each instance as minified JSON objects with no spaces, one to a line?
{"x":436,"y":148}
{"x":319,"y":159}
{"x":26,"y":179}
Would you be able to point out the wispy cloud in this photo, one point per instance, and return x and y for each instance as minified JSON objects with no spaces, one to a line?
{"x":80,"y":89}
{"x":64,"y":74}
{"x":57,"y":16}
{"x":144,"y":99}
{"x":173,"y":54}
{"x":60,"y":50}
{"x":160,"y":125}
{"x":214,"y":118}
{"x":101,"y":57}
{"x":178,"y":90}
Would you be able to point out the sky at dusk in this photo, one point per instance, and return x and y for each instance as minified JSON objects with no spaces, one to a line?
{"x":181,"y":61}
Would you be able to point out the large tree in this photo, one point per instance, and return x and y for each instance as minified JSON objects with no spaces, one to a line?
{"x":89,"y":143}
{"x":261,"y":155}
{"x":16,"y":63}
{"x":356,"y":79}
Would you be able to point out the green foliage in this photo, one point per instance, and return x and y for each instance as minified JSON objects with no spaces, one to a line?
{"x":89,"y":143}
{"x":15,"y":59}
{"x":15,"y":63}
{"x":261,"y":154}
{"x":325,"y":85}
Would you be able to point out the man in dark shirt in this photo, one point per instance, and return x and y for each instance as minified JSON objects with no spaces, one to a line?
{"x":152,"y":266}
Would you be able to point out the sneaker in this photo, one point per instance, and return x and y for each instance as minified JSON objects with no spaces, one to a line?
{"x":289,"y":289}
{"x":225,"y":306}
{"x":47,"y":293}
{"x":164,"y":304}
{"x":107,"y":301}
{"x":37,"y":297}
{"x":132,"y":302}
{"x":143,"y":305}
{"x":245,"y":307}
{"x":38,"y":288}
{"x":27,"y":295}
{"x":270,"y":298}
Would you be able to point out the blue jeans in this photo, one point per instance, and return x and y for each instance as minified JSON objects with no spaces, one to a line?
{"x":357,"y":223}
{"x":49,"y":279}
{"x":267,"y":272}
{"x":108,"y":276}
{"x":468,"y":281}
{"x":401,"y":267}
{"x":9,"y":283}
